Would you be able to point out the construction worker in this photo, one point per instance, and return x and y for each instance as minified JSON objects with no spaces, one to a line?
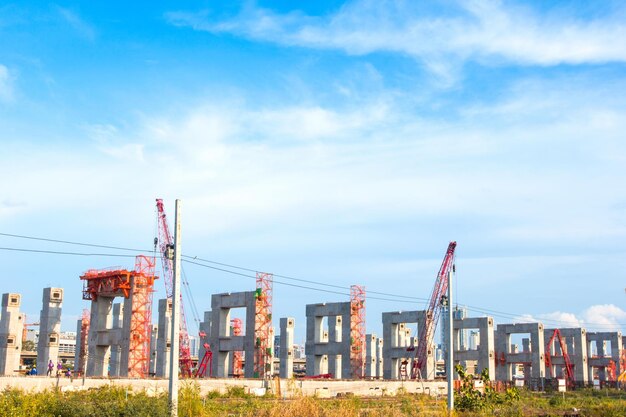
{"x":50,"y":368}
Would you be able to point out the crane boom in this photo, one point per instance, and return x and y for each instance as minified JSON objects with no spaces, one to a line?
{"x":166,"y":242}
{"x":434,"y":311}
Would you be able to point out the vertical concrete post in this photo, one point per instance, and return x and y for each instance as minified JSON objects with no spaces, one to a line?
{"x":79,"y":346}
{"x":154,"y":336}
{"x":164,"y":340}
{"x":379,"y":358}
{"x":11,"y":329}
{"x":174,"y":353}
{"x":116,"y":350}
{"x":99,"y":351}
{"x":287,"y":327}
{"x":49,"y":327}
{"x":371,"y":363}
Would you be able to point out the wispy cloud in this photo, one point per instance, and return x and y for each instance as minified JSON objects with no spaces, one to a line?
{"x":83,"y":28}
{"x":468,"y":30}
{"x":601,"y":317}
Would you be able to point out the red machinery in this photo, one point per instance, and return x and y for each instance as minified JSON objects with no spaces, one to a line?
{"x":434,"y":311}
{"x":166,"y":242}
{"x":569,"y":371}
{"x":236,"y":326}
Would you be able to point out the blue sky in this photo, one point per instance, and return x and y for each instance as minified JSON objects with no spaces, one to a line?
{"x":336,"y":142}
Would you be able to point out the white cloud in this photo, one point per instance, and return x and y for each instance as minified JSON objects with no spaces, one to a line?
{"x":479,"y":30}
{"x":601,"y":317}
{"x":72,"y":18}
{"x":6,"y":84}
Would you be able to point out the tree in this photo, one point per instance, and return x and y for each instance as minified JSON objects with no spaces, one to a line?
{"x":28,"y":346}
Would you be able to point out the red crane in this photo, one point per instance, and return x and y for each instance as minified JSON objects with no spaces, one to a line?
{"x":569,"y":371}
{"x":166,"y":244}
{"x":434,"y":311}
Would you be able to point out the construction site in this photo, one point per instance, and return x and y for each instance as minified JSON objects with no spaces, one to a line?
{"x":117,"y":340}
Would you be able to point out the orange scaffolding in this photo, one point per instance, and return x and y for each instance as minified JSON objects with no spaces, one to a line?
{"x":263,"y":325}
{"x":79,"y":369}
{"x":357,"y":330}
{"x":236,"y":327}
{"x":117,"y":282}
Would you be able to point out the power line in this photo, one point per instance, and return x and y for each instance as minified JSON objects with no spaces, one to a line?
{"x":193,"y":259}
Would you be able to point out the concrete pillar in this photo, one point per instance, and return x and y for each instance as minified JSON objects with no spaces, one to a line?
{"x":77,"y":349}
{"x":153,"y":350}
{"x":330,"y":353}
{"x":379,"y":358}
{"x":99,"y":346}
{"x":484,"y":356}
{"x":371,"y":362}
{"x":287,"y":328}
{"x":11,"y":329}
{"x":49,"y":328}
{"x":507,"y":357}
{"x":576,"y":345}
{"x":164,"y":340}
{"x":116,"y":350}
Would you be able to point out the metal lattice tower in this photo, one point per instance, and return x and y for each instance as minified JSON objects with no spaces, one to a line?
{"x":357,"y":330}
{"x":236,"y":327}
{"x":141,"y":319}
{"x":263,"y":324}
{"x":84,"y":333}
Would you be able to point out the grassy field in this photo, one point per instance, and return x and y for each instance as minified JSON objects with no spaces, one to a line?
{"x":115,"y":401}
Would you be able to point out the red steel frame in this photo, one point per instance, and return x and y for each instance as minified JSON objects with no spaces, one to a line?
{"x":569,"y":371}
{"x":434,"y":310}
{"x":357,"y":330}
{"x":139,"y":284}
{"x":166,"y":241}
{"x":263,"y":325}
{"x":236,"y":327}
{"x":84,"y":334}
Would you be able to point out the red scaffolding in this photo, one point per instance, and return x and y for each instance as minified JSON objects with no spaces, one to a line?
{"x":79,"y":369}
{"x":117,"y":282}
{"x":236,"y":330}
{"x":263,"y":325}
{"x":357,"y":330}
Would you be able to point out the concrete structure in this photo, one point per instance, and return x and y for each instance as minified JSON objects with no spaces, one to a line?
{"x":153,"y":350}
{"x":576,"y":345}
{"x":604,"y":354}
{"x":222,"y":342}
{"x":458,"y":313}
{"x":164,"y":340}
{"x":484,"y":354}
{"x":116,"y":350}
{"x":205,"y":328}
{"x":49,"y":328}
{"x":328,"y":351}
{"x":287,"y":327}
{"x":101,"y":337}
{"x":379,"y":358}
{"x":11,"y":329}
{"x":506,"y":357}
{"x":399,"y":347}
{"x":371,"y":356}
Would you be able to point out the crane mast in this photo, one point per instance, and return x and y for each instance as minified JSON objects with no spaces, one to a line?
{"x":434,"y":311}
{"x":166,"y":244}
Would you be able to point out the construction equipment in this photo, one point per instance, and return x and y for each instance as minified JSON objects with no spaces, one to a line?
{"x":357,"y":331}
{"x":79,"y":367}
{"x":569,"y":371}
{"x":166,"y":245}
{"x":434,"y":311}
{"x":263,"y":325}
{"x":26,"y":326}
{"x":236,"y":330}
{"x":137,"y":285}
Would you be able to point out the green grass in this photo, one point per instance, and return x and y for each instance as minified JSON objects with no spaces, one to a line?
{"x":122,"y":401}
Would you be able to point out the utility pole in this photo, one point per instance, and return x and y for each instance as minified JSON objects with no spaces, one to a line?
{"x":174,"y":361}
{"x":450,"y":361}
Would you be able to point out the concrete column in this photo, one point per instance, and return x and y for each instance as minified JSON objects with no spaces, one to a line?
{"x":116,"y":350}
{"x":99,"y":347}
{"x":153,"y":350}
{"x":287,"y":328}
{"x":379,"y":358}
{"x":371,"y":363}
{"x":164,"y":341}
{"x":11,"y":329}
{"x":79,"y":328}
{"x":49,"y":328}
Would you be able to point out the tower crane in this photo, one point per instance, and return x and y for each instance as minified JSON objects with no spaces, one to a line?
{"x":437,"y":298}
{"x":166,"y":246}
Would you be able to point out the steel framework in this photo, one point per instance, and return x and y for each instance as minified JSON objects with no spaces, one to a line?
{"x":84,"y":333}
{"x":569,"y":371}
{"x":138,"y":284}
{"x":434,"y":310}
{"x":357,"y":330}
{"x":166,"y":243}
{"x":263,"y":325}
{"x":236,"y":328}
